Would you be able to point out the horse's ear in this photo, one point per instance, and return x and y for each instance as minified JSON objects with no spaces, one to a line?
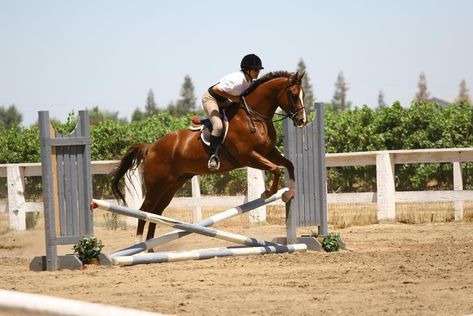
{"x":294,"y":76}
{"x":301,"y":75}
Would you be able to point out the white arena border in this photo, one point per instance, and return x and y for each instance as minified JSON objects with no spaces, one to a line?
{"x":36,"y":304}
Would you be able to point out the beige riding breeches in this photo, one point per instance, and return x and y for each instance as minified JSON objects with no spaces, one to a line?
{"x":211,"y":109}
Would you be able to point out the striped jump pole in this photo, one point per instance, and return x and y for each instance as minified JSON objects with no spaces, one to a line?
{"x":193,"y":228}
{"x":176,"y":234}
{"x":200,"y":254}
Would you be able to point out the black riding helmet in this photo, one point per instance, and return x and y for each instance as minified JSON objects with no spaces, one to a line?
{"x":251,"y":61}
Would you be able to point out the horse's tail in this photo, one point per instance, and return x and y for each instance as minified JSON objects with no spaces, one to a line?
{"x":130,"y":161}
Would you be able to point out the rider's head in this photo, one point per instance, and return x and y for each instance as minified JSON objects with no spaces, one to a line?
{"x":251,"y":65}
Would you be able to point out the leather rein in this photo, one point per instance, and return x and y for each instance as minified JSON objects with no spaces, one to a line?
{"x":252,"y":113}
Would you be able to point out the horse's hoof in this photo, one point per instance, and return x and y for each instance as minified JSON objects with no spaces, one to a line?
{"x":288,"y":195}
{"x":266,"y":194}
{"x":150,"y":250}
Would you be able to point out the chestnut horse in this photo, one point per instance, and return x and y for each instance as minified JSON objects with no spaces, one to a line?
{"x":177,"y":156}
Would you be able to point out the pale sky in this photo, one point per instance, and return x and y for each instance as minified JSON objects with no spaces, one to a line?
{"x":65,"y":56}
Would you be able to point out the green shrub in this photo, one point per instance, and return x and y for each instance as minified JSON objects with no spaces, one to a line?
{"x":332,"y":242}
{"x":422,"y":125}
{"x":88,"y":248}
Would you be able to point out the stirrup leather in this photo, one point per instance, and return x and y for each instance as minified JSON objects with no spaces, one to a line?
{"x":214,"y":162}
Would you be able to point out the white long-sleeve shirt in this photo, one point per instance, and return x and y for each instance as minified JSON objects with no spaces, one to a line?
{"x":234,"y":84}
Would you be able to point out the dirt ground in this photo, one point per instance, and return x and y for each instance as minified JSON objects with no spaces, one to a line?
{"x":389,"y":268}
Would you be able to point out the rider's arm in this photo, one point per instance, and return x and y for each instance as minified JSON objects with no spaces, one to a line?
{"x":233,"y":98}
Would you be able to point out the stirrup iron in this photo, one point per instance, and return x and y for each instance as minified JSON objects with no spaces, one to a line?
{"x":214,"y":162}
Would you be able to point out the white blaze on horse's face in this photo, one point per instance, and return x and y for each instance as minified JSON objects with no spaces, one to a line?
{"x":304,"y":116}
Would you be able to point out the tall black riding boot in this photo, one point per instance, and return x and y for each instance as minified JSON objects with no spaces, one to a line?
{"x":214,"y":161}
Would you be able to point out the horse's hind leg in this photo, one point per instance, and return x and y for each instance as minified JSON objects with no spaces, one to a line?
{"x":164,"y":202}
{"x":154,"y":193}
{"x":148,"y":204}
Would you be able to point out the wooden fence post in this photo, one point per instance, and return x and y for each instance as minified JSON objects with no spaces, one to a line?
{"x":16,"y":197}
{"x":458,"y":186}
{"x":197,"y":210}
{"x":385,"y":186}
{"x":255,"y":187}
{"x":133,"y":192}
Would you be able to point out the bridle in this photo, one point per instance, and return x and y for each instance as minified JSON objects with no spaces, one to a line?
{"x":291,"y":98}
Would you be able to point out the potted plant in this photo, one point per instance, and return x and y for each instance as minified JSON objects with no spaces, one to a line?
{"x":88,"y":250}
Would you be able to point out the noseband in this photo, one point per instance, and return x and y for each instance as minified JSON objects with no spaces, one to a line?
{"x":291,"y":97}
{"x":291,"y":101}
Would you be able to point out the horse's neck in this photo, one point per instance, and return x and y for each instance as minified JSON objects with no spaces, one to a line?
{"x":264,"y":99}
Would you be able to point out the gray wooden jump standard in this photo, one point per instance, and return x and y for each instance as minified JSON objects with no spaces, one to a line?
{"x":165,"y":238}
{"x":67,"y":190}
{"x":305,"y":147}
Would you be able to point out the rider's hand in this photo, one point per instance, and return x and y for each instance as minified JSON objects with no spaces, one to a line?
{"x":236,"y":99}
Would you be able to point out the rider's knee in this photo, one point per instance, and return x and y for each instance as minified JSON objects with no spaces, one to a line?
{"x":217,"y":125}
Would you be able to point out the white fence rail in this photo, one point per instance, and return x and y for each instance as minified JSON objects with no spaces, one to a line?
{"x":386,"y":197}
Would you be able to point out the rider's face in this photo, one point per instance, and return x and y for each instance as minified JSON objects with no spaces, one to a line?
{"x":254,"y":73}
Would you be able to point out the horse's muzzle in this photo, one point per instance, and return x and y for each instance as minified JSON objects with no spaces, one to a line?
{"x":299,"y":121}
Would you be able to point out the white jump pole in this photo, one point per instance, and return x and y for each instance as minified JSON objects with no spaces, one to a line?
{"x":193,"y":228}
{"x":176,"y":234}
{"x":35,"y":304}
{"x":200,"y":254}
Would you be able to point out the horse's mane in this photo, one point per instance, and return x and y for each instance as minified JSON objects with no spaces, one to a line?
{"x":265,"y":78}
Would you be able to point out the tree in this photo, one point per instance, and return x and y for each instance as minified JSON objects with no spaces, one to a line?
{"x":10,"y":116}
{"x":151,"y":107}
{"x":98,"y":116}
{"x":463,"y":94}
{"x":307,"y":87}
{"x":172,"y":108}
{"x":422,"y":94}
{"x":138,"y":115}
{"x":339,"y":101}
{"x":381,"y":103}
{"x":187,"y":102}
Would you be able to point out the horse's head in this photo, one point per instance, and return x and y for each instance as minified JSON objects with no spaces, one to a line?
{"x":291,"y":100}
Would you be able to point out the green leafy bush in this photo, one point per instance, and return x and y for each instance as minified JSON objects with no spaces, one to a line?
{"x":332,"y":242}
{"x":88,"y":248}
{"x":422,"y":125}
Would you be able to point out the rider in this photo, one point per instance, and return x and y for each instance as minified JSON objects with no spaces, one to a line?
{"x":230,"y":87}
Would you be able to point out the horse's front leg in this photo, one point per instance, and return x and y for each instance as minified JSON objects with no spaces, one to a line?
{"x":278,"y":159}
{"x":271,"y":163}
{"x":260,"y":162}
